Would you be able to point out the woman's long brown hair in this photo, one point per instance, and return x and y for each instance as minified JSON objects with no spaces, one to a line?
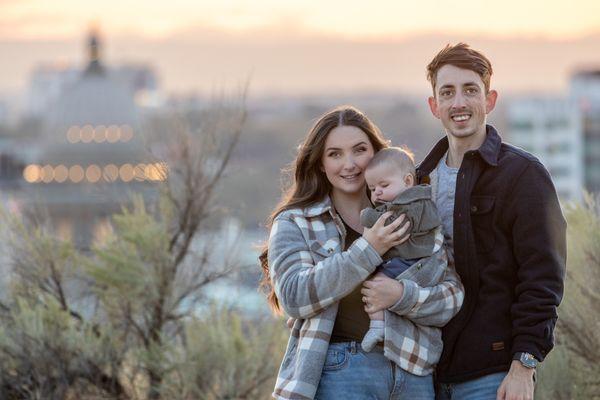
{"x":309,"y":184}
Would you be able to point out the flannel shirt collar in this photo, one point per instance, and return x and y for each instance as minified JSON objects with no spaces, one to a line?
{"x":318,"y":208}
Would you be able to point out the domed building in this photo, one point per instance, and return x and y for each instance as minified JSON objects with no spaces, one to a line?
{"x":91,"y":157}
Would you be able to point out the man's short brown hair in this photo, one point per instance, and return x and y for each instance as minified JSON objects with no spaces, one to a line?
{"x":461,"y":56}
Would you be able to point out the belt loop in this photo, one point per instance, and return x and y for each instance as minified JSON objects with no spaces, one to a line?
{"x":353,"y":347}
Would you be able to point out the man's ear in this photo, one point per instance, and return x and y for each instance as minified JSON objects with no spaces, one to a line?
{"x":433,"y":106}
{"x":490,"y":101}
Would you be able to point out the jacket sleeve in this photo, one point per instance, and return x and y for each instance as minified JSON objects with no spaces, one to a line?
{"x":304,"y":288}
{"x":539,"y":247}
{"x":435,"y":305}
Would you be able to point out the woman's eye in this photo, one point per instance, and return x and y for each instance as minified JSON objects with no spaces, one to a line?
{"x":361,"y":149}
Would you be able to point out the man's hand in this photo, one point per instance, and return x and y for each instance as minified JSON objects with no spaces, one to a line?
{"x":518,"y":383}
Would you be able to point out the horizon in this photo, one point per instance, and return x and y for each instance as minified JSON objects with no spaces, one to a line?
{"x":290,"y":49}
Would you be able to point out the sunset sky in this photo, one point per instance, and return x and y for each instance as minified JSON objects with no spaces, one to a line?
{"x":294,"y":46}
{"x":42,"y":19}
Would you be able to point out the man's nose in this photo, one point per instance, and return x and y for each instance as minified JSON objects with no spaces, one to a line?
{"x":459,"y":101}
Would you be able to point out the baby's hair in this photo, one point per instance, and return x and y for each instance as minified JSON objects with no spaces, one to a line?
{"x":402,"y":157}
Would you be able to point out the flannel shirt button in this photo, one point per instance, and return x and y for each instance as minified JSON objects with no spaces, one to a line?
{"x":474,"y":209}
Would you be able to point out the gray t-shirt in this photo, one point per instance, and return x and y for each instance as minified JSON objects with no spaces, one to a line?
{"x":446,"y":191}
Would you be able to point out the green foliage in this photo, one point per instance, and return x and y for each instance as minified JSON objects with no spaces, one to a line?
{"x":572,"y":371}
{"x":226,"y":356}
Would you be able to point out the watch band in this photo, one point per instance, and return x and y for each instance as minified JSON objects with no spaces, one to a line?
{"x":526,"y":359}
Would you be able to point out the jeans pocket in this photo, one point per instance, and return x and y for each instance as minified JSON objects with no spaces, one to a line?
{"x":336,"y":359}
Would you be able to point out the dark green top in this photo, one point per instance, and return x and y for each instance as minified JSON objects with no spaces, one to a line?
{"x":352,"y":321}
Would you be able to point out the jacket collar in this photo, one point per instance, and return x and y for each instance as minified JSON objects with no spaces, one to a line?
{"x":418,"y":192}
{"x":321,"y":207}
{"x":489,"y":151}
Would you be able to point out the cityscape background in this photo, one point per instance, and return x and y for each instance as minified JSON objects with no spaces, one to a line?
{"x":82,"y":87}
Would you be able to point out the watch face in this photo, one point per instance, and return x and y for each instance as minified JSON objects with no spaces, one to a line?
{"x":528,"y":360}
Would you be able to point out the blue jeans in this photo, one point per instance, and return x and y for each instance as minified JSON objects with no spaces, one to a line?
{"x":350,"y":373}
{"x":484,"y":388}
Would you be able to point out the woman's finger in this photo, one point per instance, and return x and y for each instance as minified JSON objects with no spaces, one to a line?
{"x":395,"y":224}
{"x":368,"y":284}
{"x":381,"y":221}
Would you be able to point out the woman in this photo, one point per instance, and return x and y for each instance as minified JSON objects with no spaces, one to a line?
{"x":317,"y":257}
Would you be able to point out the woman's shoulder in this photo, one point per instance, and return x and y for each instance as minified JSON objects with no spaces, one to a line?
{"x":315,"y":209}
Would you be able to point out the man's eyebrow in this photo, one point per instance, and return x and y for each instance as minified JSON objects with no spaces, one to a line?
{"x":450,"y":86}
{"x":446,"y":86}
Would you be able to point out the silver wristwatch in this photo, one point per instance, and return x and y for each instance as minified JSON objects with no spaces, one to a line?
{"x":526,"y":359}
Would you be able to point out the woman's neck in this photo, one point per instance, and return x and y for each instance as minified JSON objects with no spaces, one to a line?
{"x":349,"y":206}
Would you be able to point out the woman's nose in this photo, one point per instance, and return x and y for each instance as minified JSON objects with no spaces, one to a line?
{"x":349,"y":163}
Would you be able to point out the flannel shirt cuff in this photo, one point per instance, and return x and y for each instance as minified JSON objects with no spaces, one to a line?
{"x":409,"y":298}
{"x":367,"y":255}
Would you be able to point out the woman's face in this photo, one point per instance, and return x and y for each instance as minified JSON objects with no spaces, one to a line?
{"x":346,"y":155}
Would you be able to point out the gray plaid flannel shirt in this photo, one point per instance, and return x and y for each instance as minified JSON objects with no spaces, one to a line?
{"x":311,"y":273}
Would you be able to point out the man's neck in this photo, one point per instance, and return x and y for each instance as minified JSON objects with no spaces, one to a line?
{"x":457,"y":147}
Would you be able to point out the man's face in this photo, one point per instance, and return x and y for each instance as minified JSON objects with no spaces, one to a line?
{"x":460,"y":101}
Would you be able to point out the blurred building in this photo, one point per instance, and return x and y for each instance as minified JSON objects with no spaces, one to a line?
{"x":585,"y":92}
{"x":49,"y":81}
{"x":90,"y":158}
{"x":551,"y":129}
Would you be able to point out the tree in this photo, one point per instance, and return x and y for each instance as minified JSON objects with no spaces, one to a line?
{"x":122,"y":321}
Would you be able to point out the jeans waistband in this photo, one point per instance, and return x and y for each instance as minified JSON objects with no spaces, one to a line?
{"x":354,"y":346}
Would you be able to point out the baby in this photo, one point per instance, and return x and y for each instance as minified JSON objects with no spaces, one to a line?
{"x":391,"y":178}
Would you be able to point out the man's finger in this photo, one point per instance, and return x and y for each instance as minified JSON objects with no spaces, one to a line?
{"x":501,"y":392}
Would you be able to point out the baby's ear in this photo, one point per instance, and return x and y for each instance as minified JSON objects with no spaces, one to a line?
{"x":409,"y":180}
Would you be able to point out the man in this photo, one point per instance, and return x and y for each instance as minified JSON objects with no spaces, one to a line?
{"x":504,"y":223}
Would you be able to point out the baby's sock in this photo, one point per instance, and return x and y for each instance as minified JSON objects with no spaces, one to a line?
{"x":374,"y":335}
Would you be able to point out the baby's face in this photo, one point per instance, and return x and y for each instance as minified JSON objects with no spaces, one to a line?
{"x":386,"y":181}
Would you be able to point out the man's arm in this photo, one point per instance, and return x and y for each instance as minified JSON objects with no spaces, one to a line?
{"x":539,"y":246}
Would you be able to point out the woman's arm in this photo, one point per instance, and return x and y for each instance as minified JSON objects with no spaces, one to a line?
{"x":430,"y":306}
{"x":304,"y":288}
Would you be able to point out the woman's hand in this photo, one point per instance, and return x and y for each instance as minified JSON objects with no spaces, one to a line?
{"x":380,"y":293}
{"x":382,"y":237}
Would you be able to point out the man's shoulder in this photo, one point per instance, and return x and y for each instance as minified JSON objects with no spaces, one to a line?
{"x":513,"y":154}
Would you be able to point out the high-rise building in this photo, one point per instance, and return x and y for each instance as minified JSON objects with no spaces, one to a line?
{"x":551,"y":129}
{"x":585,"y":93}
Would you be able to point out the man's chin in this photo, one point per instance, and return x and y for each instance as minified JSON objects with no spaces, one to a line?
{"x":460,"y":133}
